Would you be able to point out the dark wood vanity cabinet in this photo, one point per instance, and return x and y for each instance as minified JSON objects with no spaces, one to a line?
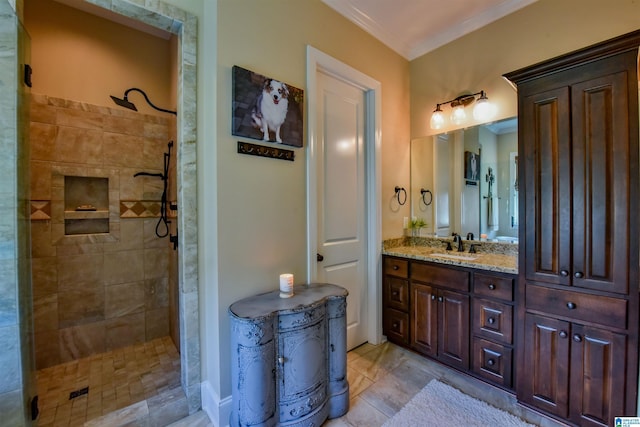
{"x":492,"y":328}
{"x":395,"y":295}
{"x":579,"y":180}
{"x":458,"y":316}
{"x":439,"y":314}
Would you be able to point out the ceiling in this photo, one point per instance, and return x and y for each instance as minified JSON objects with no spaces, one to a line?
{"x":415,"y":27}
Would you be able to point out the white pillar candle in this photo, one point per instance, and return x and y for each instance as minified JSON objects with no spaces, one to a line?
{"x":286,"y":285}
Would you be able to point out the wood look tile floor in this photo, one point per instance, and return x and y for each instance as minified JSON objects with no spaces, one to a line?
{"x":116,"y":379}
{"x":383,"y":378}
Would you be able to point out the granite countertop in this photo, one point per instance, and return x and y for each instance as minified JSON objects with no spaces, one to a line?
{"x":487,"y":258}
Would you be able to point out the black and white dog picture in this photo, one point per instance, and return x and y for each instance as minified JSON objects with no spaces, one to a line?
{"x":266,"y":109}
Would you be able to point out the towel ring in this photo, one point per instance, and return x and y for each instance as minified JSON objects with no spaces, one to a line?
{"x":400,"y":190}
{"x":423,"y":192}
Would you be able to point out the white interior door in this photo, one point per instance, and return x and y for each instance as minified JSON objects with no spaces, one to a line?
{"x":341,"y":187}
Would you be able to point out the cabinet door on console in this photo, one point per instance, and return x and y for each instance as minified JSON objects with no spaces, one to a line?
{"x":302,"y":379}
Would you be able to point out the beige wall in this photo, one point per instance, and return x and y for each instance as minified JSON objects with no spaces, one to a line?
{"x":81,"y":57}
{"x":261,"y":202}
{"x":543,"y":30}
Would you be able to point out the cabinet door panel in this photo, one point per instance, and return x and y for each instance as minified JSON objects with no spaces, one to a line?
{"x":601,"y":154}
{"x":453,"y":339}
{"x":303,"y":367}
{"x":395,"y":326}
{"x":597,"y":375}
{"x":547,"y":185}
{"x":396,"y":293}
{"x":493,"y":320}
{"x":424,"y":319}
{"x":492,"y":361}
{"x":544,"y":381}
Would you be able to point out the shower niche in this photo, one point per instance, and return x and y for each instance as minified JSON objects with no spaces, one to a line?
{"x":86,"y":205}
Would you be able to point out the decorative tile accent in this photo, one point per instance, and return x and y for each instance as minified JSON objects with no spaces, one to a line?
{"x":139,"y":209}
{"x":40,"y":210}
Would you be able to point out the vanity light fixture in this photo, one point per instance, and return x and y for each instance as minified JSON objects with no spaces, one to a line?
{"x":482,"y":111}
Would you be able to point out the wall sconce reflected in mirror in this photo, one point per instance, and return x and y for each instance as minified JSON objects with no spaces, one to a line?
{"x":482,"y":111}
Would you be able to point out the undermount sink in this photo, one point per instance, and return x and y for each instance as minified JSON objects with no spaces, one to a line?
{"x":458,"y":257}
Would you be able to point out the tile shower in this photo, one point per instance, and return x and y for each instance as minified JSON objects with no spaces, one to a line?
{"x":102,"y":279}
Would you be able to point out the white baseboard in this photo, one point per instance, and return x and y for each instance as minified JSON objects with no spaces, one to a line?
{"x":217,"y":409}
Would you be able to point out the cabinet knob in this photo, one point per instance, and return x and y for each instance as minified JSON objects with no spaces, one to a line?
{"x":564,"y":273}
{"x":577,"y":338}
{"x":492,"y":286}
{"x":491,"y":320}
{"x":394,"y":293}
{"x":395,"y":325}
{"x":395,"y":267}
{"x":578,"y":275}
{"x":491,"y":362}
{"x":281,"y":360}
{"x":563,"y":334}
{"x":571,"y":305}
{"x":440,"y":299}
{"x":433,"y":297}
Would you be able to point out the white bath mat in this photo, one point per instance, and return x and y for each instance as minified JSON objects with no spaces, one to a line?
{"x":441,"y":405}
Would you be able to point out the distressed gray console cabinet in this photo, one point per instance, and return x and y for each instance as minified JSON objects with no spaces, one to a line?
{"x":289,"y":357}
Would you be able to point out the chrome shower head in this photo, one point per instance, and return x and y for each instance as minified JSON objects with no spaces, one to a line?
{"x":124,"y":103}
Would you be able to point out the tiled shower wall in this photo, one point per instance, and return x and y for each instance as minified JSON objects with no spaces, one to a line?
{"x":98,"y":292}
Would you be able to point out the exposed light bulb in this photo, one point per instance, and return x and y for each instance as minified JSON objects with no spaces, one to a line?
{"x":458,"y":115}
{"x":437,"y":119}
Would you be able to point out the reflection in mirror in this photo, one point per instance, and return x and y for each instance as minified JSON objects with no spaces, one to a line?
{"x":472,"y":174}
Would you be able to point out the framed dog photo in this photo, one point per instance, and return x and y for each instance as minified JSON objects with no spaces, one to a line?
{"x":471,"y":166}
{"x":266,"y":109}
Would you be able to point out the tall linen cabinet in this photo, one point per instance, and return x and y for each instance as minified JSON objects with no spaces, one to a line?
{"x":578,"y":264}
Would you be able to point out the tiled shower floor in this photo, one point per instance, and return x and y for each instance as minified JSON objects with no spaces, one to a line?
{"x":116,"y":379}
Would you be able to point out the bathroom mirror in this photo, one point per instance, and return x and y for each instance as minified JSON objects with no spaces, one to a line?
{"x":465,"y":181}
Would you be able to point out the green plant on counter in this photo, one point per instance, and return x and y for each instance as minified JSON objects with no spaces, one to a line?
{"x":416,"y":224}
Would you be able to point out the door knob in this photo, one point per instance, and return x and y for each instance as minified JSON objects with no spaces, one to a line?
{"x":319,"y":258}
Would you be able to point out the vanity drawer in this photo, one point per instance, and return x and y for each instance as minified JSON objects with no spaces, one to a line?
{"x":493,"y":320}
{"x":441,"y":276}
{"x":396,"y":293}
{"x":396,"y":267}
{"x":396,"y":326}
{"x":491,"y":286}
{"x":576,"y":305}
{"x":493,"y":362}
